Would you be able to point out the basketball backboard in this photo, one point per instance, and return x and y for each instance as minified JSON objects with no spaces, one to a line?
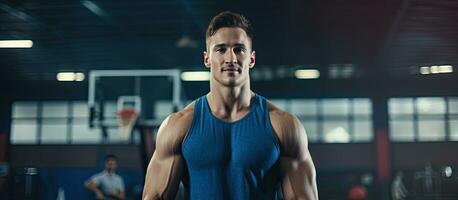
{"x":110,"y":91}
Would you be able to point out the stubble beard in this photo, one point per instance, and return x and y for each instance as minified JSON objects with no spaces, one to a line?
{"x":231,"y":82}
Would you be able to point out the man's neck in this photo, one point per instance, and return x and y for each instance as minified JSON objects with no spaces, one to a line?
{"x":109,"y":172}
{"x":230,"y":101}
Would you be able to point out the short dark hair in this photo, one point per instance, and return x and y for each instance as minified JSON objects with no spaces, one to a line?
{"x":229,"y":19}
{"x":111,"y":157}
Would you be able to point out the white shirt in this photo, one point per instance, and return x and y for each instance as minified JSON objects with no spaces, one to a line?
{"x":108,"y":183}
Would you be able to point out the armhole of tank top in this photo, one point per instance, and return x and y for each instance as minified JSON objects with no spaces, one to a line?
{"x":274,"y":136}
{"x":194,"y":114}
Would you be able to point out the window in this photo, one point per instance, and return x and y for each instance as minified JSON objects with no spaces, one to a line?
{"x":24,"y":123}
{"x":162,"y":109}
{"x":332,"y":120}
{"x":423,"y":118}
{"x":24,"y":131}
{"x":81,"y":133}
{"x":52,"y":122}
{"x":453,"y":116}
{"x":66,"y":122}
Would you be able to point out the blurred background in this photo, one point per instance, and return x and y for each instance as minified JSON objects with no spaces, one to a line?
{"x":373,"y":82}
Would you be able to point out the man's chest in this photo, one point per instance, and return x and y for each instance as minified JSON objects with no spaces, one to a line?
{"x":110,"y":184}
{"x":244,"y":147}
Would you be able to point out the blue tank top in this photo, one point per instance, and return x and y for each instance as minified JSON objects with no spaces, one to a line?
{"x":231,"y":160}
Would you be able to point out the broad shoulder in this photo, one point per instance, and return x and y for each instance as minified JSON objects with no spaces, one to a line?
{"x":175,"y":127}
{"x":181,"y":118}
{"x":288,"y":128}
{"x":281,"y":119}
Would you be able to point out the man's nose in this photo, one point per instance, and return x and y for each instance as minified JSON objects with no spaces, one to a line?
{"x":230,"y":57}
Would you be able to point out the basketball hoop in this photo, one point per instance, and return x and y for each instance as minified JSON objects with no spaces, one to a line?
{"x":126,"y":121}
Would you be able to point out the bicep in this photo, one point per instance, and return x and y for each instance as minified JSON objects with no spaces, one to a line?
{"x":165,"y":169}
{"x":298,"y":170}
{"x":299,"y":178}
{"x":163,"y":176}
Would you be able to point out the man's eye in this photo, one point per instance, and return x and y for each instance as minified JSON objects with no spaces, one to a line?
{"x":221,"y":50}
{"x":239,"y":50}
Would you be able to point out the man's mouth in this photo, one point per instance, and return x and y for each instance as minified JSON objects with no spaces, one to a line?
{"x":231,"y":70}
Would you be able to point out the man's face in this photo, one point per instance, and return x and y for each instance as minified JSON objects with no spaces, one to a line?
{"x":110,"y":165}
{"x":229,"y":56}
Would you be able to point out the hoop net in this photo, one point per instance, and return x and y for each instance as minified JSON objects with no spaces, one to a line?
{"x":126,"y":121}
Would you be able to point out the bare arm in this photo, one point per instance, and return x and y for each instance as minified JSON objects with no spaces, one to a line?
{"x":298,"y":170}
{"x":299,"y":179}
{"x":165,"y":169}
{"x":90,"y":185}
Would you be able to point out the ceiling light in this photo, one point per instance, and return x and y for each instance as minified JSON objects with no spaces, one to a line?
{"x":307,"y":73}
{"x":70,"y":76}
{"x":79,"y":76}
{"x":436,"y":69}
{"x":424,"y":70}
{"x":445,"y":69}
{"x":195,"y":76}
{"x":16,"y":43}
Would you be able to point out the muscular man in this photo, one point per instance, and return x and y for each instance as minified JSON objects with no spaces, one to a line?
{"x":231,"y":143}
{"x":107,"y":185}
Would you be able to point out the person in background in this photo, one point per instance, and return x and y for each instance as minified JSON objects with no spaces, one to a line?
{"x":107,"y":185}
{"x":398,"y":190}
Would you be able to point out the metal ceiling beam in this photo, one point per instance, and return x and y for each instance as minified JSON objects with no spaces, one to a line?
{"x":381,"y":59}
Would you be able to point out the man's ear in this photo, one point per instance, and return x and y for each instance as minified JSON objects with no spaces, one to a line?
{"x":252,"y":59}
{"x":206,"y":62}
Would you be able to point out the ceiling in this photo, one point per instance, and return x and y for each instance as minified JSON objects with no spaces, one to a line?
{"x":374,"y":36}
